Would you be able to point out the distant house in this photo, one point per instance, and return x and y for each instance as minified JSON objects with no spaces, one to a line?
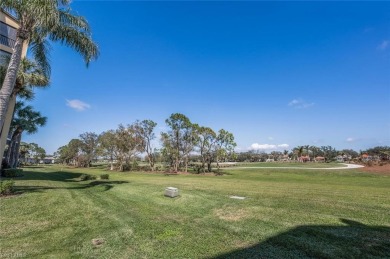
{"x":304,"y":159}
{"x":47,"y":160}
{"x":366,"y":158}
{"x":319,"y":159}
{"x":343,"y":158}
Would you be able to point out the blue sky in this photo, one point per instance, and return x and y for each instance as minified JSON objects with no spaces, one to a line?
{"x":272,"y":73}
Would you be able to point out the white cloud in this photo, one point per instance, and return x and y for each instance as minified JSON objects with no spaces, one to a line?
{"x":384,"y":45}
{"x":257,"y":146}
{"x":300,"y":104}
{"x":350,"y":140}
{"x":77,"y":105}
{"x":293,"y":102}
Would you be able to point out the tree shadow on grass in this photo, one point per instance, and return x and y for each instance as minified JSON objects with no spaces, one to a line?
{"x":105,"y":185}
{"x":355,"y":240}
{"x":61,"y":176}
{"x":73,"y":178}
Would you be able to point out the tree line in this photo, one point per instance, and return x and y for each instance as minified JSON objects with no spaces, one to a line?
{"x":325,"y":153}
{"x":179,"y":144}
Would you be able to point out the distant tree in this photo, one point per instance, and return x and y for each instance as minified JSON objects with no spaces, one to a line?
{"x":350,"y":153}
{"x":145,"y":129}
{"x":330,"y":152}
{"x":177,"y":142}
{"x":40,"y":153}
{"x":206,"y":139}
{"x":108,"y":146}
{"x":36,"y":152}
{"x":188,"y":144}
{"x":383,"y":152}
{"x":128,"y":144}
{"x":70,"y":153}
{"x":276,"y":155}
{"x":89,"y":146}
{"x":224,"y":145}
{"x":316,"y":151}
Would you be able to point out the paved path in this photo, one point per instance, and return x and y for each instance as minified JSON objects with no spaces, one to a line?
{"x":346,"y":166}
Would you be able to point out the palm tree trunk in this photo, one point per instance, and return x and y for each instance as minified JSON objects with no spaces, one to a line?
{"x":9,"y":151}
{"x":6,"y":126}
{"x":13,"y":145}
{"x":10,"y":79}
{"x":15,"y":152}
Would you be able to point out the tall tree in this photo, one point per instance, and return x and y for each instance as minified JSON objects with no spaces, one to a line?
{"x":225,"y":145}
{"x":177,"y":141}
{"x":145,"y":130}
{"x":108,"y":146}
{"x":25,"y":120}
{"x":36,"y":152}
{"x":40,"y":22}
{"x":89,"y":145}
{"x":205,"y":144}
{"x":69,"y":154}
{"x":128,"y":144}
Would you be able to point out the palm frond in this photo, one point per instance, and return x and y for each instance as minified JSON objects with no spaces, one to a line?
{"x":76,"y":39}
{"x":40,"y":49}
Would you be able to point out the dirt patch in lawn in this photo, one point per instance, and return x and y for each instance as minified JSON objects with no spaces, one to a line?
{"x":231,"y":214}
{"x":377,"y":169}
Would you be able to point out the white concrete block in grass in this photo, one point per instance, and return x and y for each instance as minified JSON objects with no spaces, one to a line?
{"x":171,"y":192}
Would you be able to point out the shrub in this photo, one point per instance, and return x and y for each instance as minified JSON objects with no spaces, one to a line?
{"x":86,"y":177}
{"x":7,"y":187}
{"x":369,"y":163}
{"x":11,"y":173}
{"x":104,"y":176}
{"x":144,"y":168}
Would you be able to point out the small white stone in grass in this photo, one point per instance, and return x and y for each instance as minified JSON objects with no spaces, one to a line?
{"x":237,"y":197}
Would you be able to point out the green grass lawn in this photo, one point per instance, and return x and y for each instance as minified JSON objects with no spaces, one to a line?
{"x":287,"y":213}
{"x":291,"y":164}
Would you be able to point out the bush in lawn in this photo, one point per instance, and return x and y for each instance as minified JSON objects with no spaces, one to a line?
{"x":86,"y":177}
{"x":11,"y":173}
{"x":7,"y":187}
{"x":369,"y":163}
{"x":104,"y":176}
{"x":144,"y":168}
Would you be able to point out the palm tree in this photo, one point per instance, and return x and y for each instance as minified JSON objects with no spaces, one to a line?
{"x":25,"y":120}
{"x":30,"y":75}
{"x":40,"y":22}
{"x":298,"y":151}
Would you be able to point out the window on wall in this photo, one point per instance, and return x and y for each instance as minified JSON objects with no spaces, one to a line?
{"x":4,"y":57}
{"x":7,"y":35}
